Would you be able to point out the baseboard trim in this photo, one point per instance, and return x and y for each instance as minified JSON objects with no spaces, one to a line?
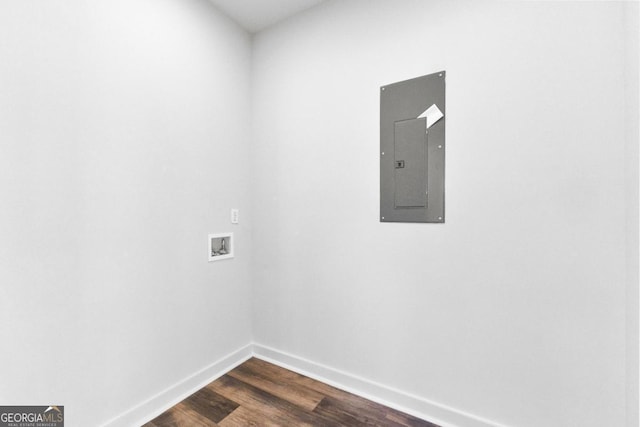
{"x":443,"y":415}
{"x":435,"y":412}
{"x":156,"y":405}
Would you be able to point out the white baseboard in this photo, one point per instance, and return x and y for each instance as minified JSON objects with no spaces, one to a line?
{"x":156,"y":405}
{"x":414,"y":405}
{"x":437,"y":413}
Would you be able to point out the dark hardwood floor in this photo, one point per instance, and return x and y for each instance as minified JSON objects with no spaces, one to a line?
{"x":258,"y":393}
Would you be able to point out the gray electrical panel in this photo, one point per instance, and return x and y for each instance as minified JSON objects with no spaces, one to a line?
{"x":412,"y":148}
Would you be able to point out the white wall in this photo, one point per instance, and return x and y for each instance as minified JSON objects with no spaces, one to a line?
{"x":514,"y":310}
{"x":123,"y":142}
{"x":632,"y":129}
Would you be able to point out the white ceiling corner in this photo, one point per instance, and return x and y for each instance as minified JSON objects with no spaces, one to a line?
{"x":256,"y":15}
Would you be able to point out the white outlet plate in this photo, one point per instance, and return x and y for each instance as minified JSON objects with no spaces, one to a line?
{"x":235,"y":216}
{"x":216,"y":246}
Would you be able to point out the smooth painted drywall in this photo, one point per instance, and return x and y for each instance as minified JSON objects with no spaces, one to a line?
{"x":123,"y":143}
{"x":632,"y":128}
{"x":514,"y":310}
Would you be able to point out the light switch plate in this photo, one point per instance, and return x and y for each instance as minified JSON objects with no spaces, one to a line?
{"x":235,"y":216}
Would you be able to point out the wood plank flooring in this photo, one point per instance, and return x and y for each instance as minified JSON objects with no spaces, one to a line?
{"x":258,"y":393}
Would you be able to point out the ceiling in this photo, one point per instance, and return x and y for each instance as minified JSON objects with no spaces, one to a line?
{"x":256,"y":15}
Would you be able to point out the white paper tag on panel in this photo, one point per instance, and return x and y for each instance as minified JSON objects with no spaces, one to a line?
{"x":433,"y":114}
